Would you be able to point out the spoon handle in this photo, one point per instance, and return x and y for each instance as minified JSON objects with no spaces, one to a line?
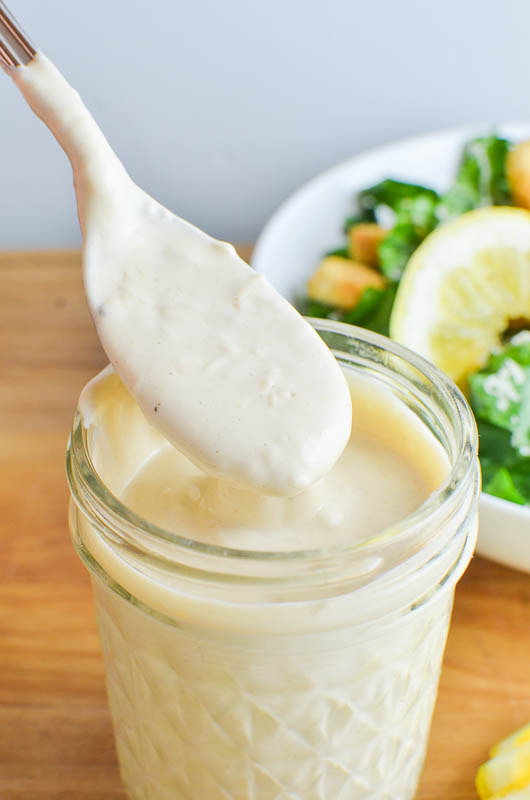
{"x":15,"y":47}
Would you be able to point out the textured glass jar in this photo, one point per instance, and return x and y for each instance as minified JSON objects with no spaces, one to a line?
{"x":303,"y":675}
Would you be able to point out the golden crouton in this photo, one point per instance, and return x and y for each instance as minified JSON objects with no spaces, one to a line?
{"x":518,"y":173}
{"x":365,"y":239}
{"x":340,"y":282}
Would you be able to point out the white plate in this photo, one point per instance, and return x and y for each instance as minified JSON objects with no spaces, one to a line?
{"x":310,"y":223}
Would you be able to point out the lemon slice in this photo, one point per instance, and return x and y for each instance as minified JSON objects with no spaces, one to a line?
{"x":463,"y":286}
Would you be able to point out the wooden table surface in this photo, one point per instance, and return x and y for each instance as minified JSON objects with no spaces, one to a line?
{"x":55,"y":730}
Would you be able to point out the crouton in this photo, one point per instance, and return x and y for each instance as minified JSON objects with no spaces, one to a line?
{"x":340,"y":282}
{"x":518,"y":173}
{"x":365,"y":239}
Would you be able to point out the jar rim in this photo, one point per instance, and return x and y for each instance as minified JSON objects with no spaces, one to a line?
{"x":87,"y":487}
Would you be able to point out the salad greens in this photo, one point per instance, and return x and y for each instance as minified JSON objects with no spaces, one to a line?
{"x":500,"y":392}
{"x":500,"y":399}
{"x":372,"y":311}
{"x":481,"y":179}
{"x":396,"y":249}
{"x":393,"y":194}
{"x":414,"y":210}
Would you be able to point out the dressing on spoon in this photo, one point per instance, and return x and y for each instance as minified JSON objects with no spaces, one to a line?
{"x":217,"y":360}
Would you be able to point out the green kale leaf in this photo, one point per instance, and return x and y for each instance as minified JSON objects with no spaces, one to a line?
{"x":341,"y":252}
{"x":501,"y":484}
{"x":481,"y":179}
{"x":500,"y":392}
{"x":312,"y":308}
{"x":414,"y":207}
{"x":373,"y":309}
{"x":500,"y":399}
{"x":396,"y":249}
{"x":391,"y":193}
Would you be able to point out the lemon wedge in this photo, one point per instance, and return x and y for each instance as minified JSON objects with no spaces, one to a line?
{"x":504,"y":773}
{"x":463,"y":286}
{"x":511,"y":742}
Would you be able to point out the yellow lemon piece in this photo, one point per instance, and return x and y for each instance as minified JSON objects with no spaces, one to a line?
{"x":504,"y":773}
{"x":463,"y":287}
{"x":516,"y":739}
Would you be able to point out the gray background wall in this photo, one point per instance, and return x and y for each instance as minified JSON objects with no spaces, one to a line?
{"x":221,"y":109}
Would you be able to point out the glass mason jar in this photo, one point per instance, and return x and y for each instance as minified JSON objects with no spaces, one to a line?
{"x":308,"y":675}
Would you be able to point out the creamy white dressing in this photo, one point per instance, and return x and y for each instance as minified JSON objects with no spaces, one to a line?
{"x":389,"y":467}
{"x":216,"y":359}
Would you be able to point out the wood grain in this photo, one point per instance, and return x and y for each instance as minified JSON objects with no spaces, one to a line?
{"x":55,"y":731}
